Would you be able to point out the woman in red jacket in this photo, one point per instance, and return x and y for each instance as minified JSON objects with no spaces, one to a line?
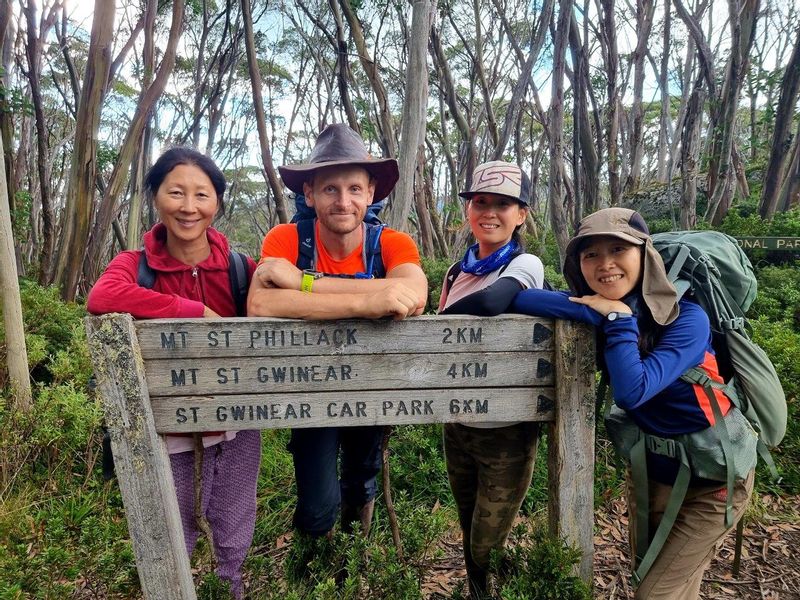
{"x":191,"y":261}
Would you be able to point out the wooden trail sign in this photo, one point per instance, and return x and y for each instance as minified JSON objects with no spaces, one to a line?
{"x":181,"y":376}
{"x":784,"y":244}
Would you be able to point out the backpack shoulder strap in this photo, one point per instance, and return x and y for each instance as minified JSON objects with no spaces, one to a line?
{"x":450,"y":276}
{"x":145,"y":275}
{"x":373,"y":261}
{"x":306,"y":244}
{"x":237,"y":272}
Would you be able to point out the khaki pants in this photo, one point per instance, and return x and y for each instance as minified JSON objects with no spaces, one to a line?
{"x":678,"y":571}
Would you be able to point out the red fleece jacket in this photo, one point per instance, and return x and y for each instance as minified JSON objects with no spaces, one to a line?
{"x":180,"y":291}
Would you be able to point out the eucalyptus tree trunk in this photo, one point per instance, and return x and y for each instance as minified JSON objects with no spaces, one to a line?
{"x":663,"y":76}
{"x":608,"y":46}
{"x":421,"y":204}
{"x":6,"y":122}
{"x":448,"y":89}
{"x":412,"y":133}
{"x":781,"y":135}
{"x":140,"y":162}
{"x":343,"y":68}
{"x":258,"y":104}
{"x":147,"y":100}
{"x":16,"y":352}
{"x":478,"y":66}
{"x":743,"y":15}
{"x":789,"y":196}
{"x":645,"y":10}
{"x":586,"y":164}
{"x":33,"y":50}
{"x":559,"y":213}
{"x":79,"y":203}
{"x":526,"y":66}
{"x":690,"y":156}
{"x":388,"y":138}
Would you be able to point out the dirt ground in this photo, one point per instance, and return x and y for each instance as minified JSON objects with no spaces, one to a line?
{"x":770,"y":568}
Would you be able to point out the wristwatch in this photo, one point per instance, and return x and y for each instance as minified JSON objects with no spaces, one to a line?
{"x":309,"y":277}
{"x":614,"y":315}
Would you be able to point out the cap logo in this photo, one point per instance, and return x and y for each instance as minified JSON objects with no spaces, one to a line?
{"x":496,"y":176}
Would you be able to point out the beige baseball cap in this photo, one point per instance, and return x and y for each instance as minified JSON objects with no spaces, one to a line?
{"x":502,"y":178}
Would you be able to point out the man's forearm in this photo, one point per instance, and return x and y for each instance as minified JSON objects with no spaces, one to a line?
{"x":294,"y":304}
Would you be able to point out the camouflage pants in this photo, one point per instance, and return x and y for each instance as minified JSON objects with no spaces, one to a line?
{"x":489,"y":471}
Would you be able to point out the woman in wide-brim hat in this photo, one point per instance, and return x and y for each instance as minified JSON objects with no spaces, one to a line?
{"x":647,"y":339}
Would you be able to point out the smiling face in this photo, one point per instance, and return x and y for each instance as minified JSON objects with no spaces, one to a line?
{"x":340,"y":196}
{"x":611,"y":267}
{"x":186,"y":203}
{"x":493,"y":219}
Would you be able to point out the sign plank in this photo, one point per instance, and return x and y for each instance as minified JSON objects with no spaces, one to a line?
{"x":199,"y":338}
{"x":769,"y":243}
{"x":207,"y":376}
{"x":325,"y":409}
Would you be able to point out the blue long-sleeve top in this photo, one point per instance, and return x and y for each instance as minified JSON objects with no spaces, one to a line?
{"x":649,"y":388}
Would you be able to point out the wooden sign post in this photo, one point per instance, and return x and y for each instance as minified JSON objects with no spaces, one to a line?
{"x":168,"y":376}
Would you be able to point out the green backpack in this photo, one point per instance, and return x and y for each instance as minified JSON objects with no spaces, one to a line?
{"x":712,"y":269}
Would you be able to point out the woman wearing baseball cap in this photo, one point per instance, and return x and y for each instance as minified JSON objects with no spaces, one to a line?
{"x":490,"y":465}
{"x":649,"y":338}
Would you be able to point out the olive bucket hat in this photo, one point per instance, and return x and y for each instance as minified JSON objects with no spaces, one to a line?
{"x":338,"y":145}
{"x":626,"y":224}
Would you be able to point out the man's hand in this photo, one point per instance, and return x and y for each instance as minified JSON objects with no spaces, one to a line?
{"x":398,"y":301}
{"x":602,"y":304}
{"x":279,"y":273}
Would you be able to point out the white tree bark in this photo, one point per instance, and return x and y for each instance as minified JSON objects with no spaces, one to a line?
{"x":412,"y":132}
{"x":16,"y":353}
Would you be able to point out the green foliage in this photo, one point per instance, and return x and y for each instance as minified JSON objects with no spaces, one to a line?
{"x":435,"y":269}
{"x":107,"y":156}
{"x":61,"y":522}
{"x":781,"y":341}
{"x":211,"y":587}
{"x":54,"y":336}
{"x":537,"y":567}
{"x":417,"y":464}
{"x":778,"y":298}
{"x":744,"y":220}
{"x":20,"y":216}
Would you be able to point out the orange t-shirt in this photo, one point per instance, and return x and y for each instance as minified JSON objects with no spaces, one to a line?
{"x":397,"y":248}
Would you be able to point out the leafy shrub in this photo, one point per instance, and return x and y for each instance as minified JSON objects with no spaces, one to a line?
{"x":54,"y":335}
{"x":435,"y":269}
{"x":782,"y":345}
{"x":537,"y":567}
{"x":778,"y":297}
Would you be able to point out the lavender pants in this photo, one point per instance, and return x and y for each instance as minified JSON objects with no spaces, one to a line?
{"x":230,"y":474}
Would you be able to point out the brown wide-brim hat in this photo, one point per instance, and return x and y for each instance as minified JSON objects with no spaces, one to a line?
{"x":626,"y":224}
{"x":338,"y":145}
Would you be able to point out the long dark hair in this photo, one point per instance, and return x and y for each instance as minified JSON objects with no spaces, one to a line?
{"x":184,"y":155}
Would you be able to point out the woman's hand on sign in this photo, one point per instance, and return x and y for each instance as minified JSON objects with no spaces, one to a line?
{"x":602,"y":304}
{"x":210,"y":314}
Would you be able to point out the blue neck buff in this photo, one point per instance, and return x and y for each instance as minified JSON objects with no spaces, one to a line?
{"x":481,"y":266}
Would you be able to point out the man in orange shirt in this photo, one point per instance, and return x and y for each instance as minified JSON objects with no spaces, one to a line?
{"x":339,"y":182}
